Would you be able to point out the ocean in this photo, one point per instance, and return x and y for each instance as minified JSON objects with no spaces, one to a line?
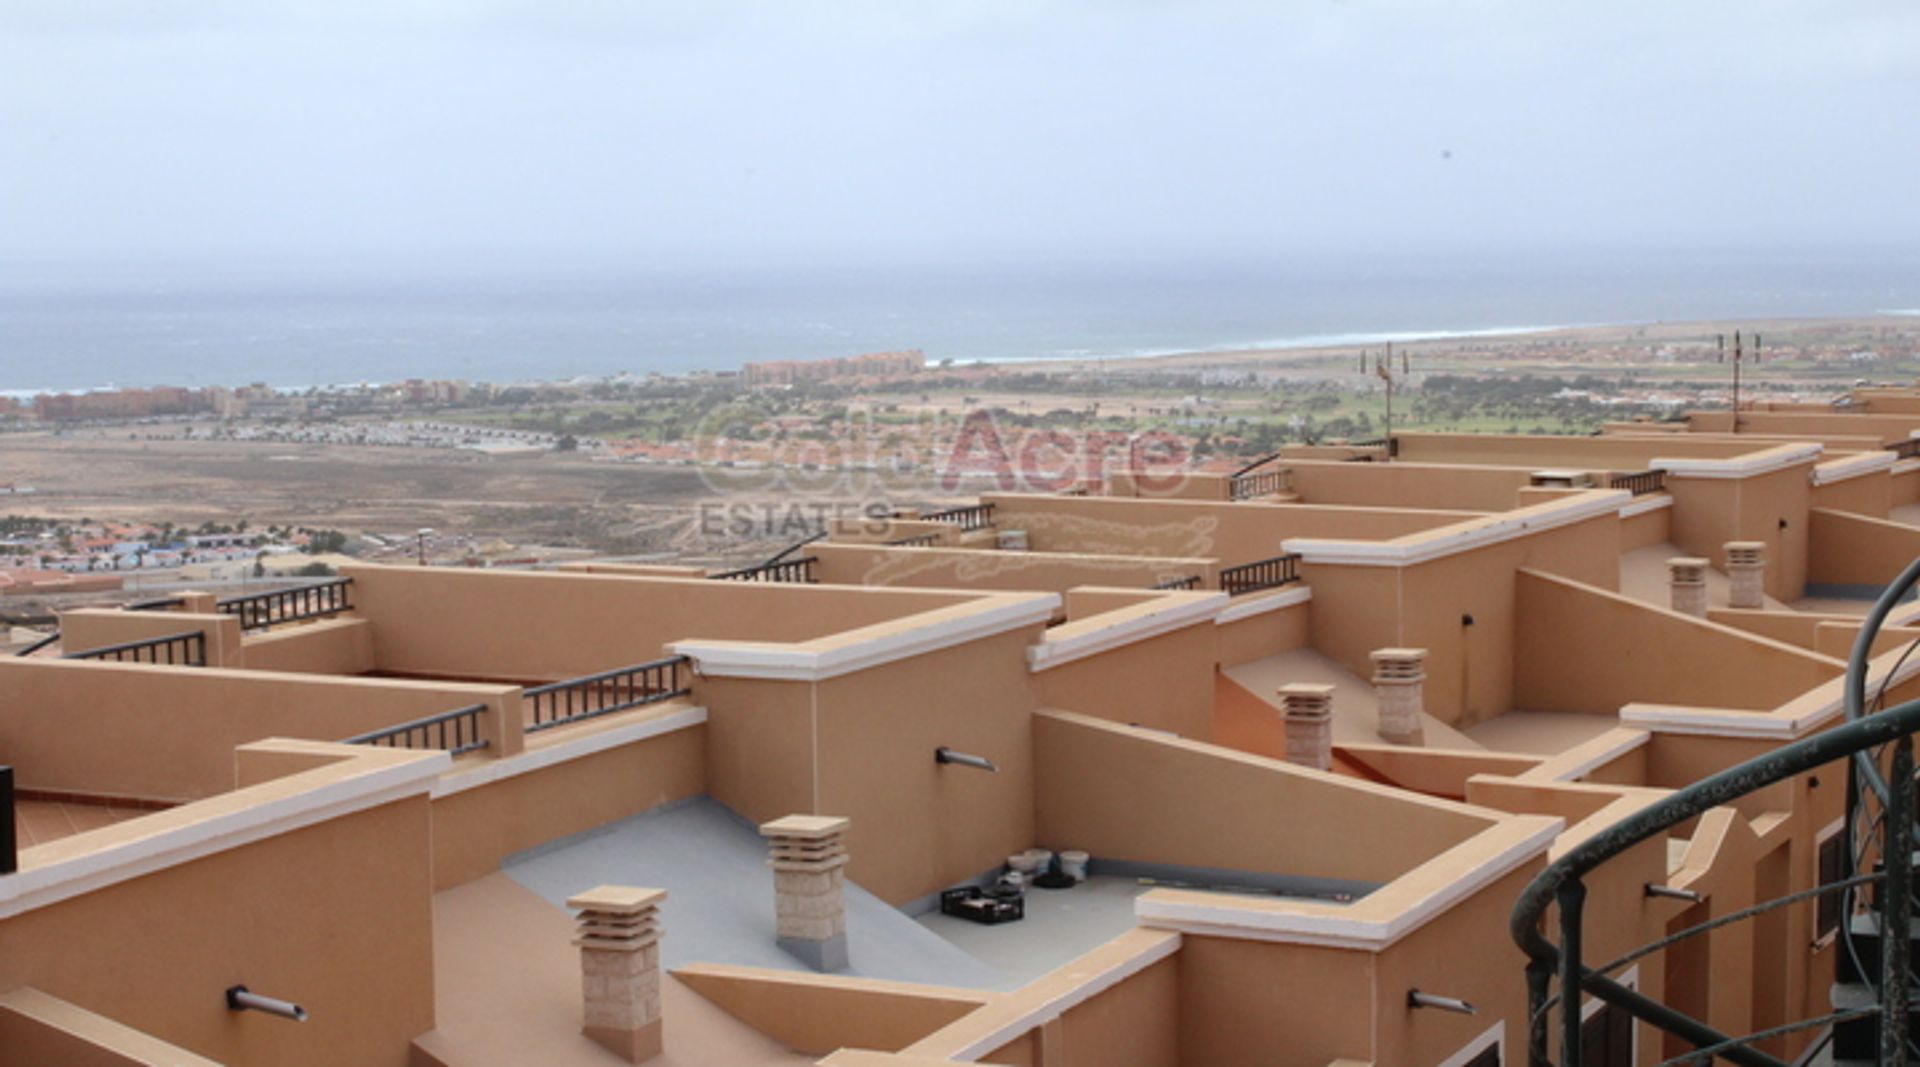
{"x":73,"y":330}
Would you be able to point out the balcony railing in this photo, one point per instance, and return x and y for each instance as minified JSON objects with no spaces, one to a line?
{"x":575,"y":699}
{"x":39,"y":644}
{"x":159,"y":603}
{"x":1908,"y":449}
{"x":785,"y":570}
{"x":457,"y":731}
{"x":925,"y":540}
{"x":9,"y":843}
{"x":1639,"y":483}
{"x":973,"y":517}
{"x":259,"y":611}
{"x":1191,"y":581}
{"x":1872,"y":999}
{"x":1260,"y":483}
{"x":1261,"y":574}
{"x":177,"y":650}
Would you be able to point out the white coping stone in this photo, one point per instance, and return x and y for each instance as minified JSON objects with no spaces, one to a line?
{"x":1181,"y":613}
{"x":798,"y":663}
{"x":1248,"y":607}
{"x":1707,"y":722}
{"x":571,"y":748}
{"x":1644,"y":503}
{"x":38,"y":887}
{"x":1853,"y":467}
{"x":1092,"y":986}
{"x":1465,"y":536}
{"x":1764,"y":461}
{"x":1227,"y":918}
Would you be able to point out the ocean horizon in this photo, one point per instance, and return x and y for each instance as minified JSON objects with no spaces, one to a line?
{"x":72,"y":333}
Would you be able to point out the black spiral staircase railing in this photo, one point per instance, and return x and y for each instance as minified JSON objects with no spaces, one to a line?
{"x":1874,"y":986}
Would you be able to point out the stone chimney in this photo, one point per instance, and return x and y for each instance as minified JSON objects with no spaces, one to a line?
{"x":809,"y":859}
{"x":619,"y":939}
{"x":1688,"y":576}
{"x":1747,"y":568}
{"x":1399,"y":686}
{"x":1309,"y":724}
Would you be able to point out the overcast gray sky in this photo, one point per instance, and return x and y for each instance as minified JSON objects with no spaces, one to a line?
{"x":719,"y":131}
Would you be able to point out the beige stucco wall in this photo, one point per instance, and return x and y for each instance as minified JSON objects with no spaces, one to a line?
{"x":1858,"y":550}
{"x":1121,"y":793}
{"x":1267,"y":634}
{"x":474,"y":830}
{"x":1887,"y":428}
{"x":949,"y":568}
{"x":336,"y":916}
{"x":1770,"y":508}
{"x":1579,"y":648}
{"x":1407,"y":485}
{"x":326,"y":646}
{"x":919,"y":826}
{"x":524,"y":626}
{"x":1234,"y":533}
{"x":1470,"y":668}
{"x":168,"y":733}
{"x":1867,"y":494}
{"x":1164,"y":682}
{"x":1539,"y":451}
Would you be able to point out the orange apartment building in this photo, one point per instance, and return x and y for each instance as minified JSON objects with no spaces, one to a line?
{"x":1315,"y":727}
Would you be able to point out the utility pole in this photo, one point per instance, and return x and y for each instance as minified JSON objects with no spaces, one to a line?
{"x":1739,"y":357}
{"x":1384,"y":369}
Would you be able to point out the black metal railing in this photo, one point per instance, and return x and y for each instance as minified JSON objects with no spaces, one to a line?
{"x":259,"y":611}
{"x":1262,"y":483}
{"x":1191,"y":581}
{"x":1907,"y":449}
{"x":925,"y":540}
{"x":1261,"y":574}
{"x":40,"y":644}
{"x":457,"y":731}
{"x":575,"y":699}
{"x":972,"y":517}
{"x":9,"y":844}
{"x":1261,"y":462}
{"x":187,"y":649}
{"x":1869,"y":742}
{"x":1639,"y":483}
{"x":159,"y":603}
{"x":785,"y":570}
{"x":1389,"y":445}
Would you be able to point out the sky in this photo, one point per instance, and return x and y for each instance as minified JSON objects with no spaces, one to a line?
{"x":702,"y":132}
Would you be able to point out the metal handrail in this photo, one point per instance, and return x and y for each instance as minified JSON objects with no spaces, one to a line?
{"x":786,"y":570}
{"x":971,"y":517}
{"x":795,"y":547}
{"x":40,"y":644}
{"x":1191,"y":581}
{"x":260,"y":611}
{"x":925,"y":540}
{"x":1261,"y":574}
{"x":593,"y":695}
{"x":457,"y":731}
{"x":159,"y":603}
{"x":186,"y":649}
{"x":1261,"y":462}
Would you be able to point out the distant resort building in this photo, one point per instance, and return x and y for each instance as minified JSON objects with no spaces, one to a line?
{"x":871,"y":365}
{"x":1243,"y":768}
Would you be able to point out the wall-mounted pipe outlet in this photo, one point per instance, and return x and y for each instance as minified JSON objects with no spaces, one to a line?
{"x":943,"y":754}
{"x":1417,"y":999}
{"x":1672,"y":893}
{"x":239,"y":999}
